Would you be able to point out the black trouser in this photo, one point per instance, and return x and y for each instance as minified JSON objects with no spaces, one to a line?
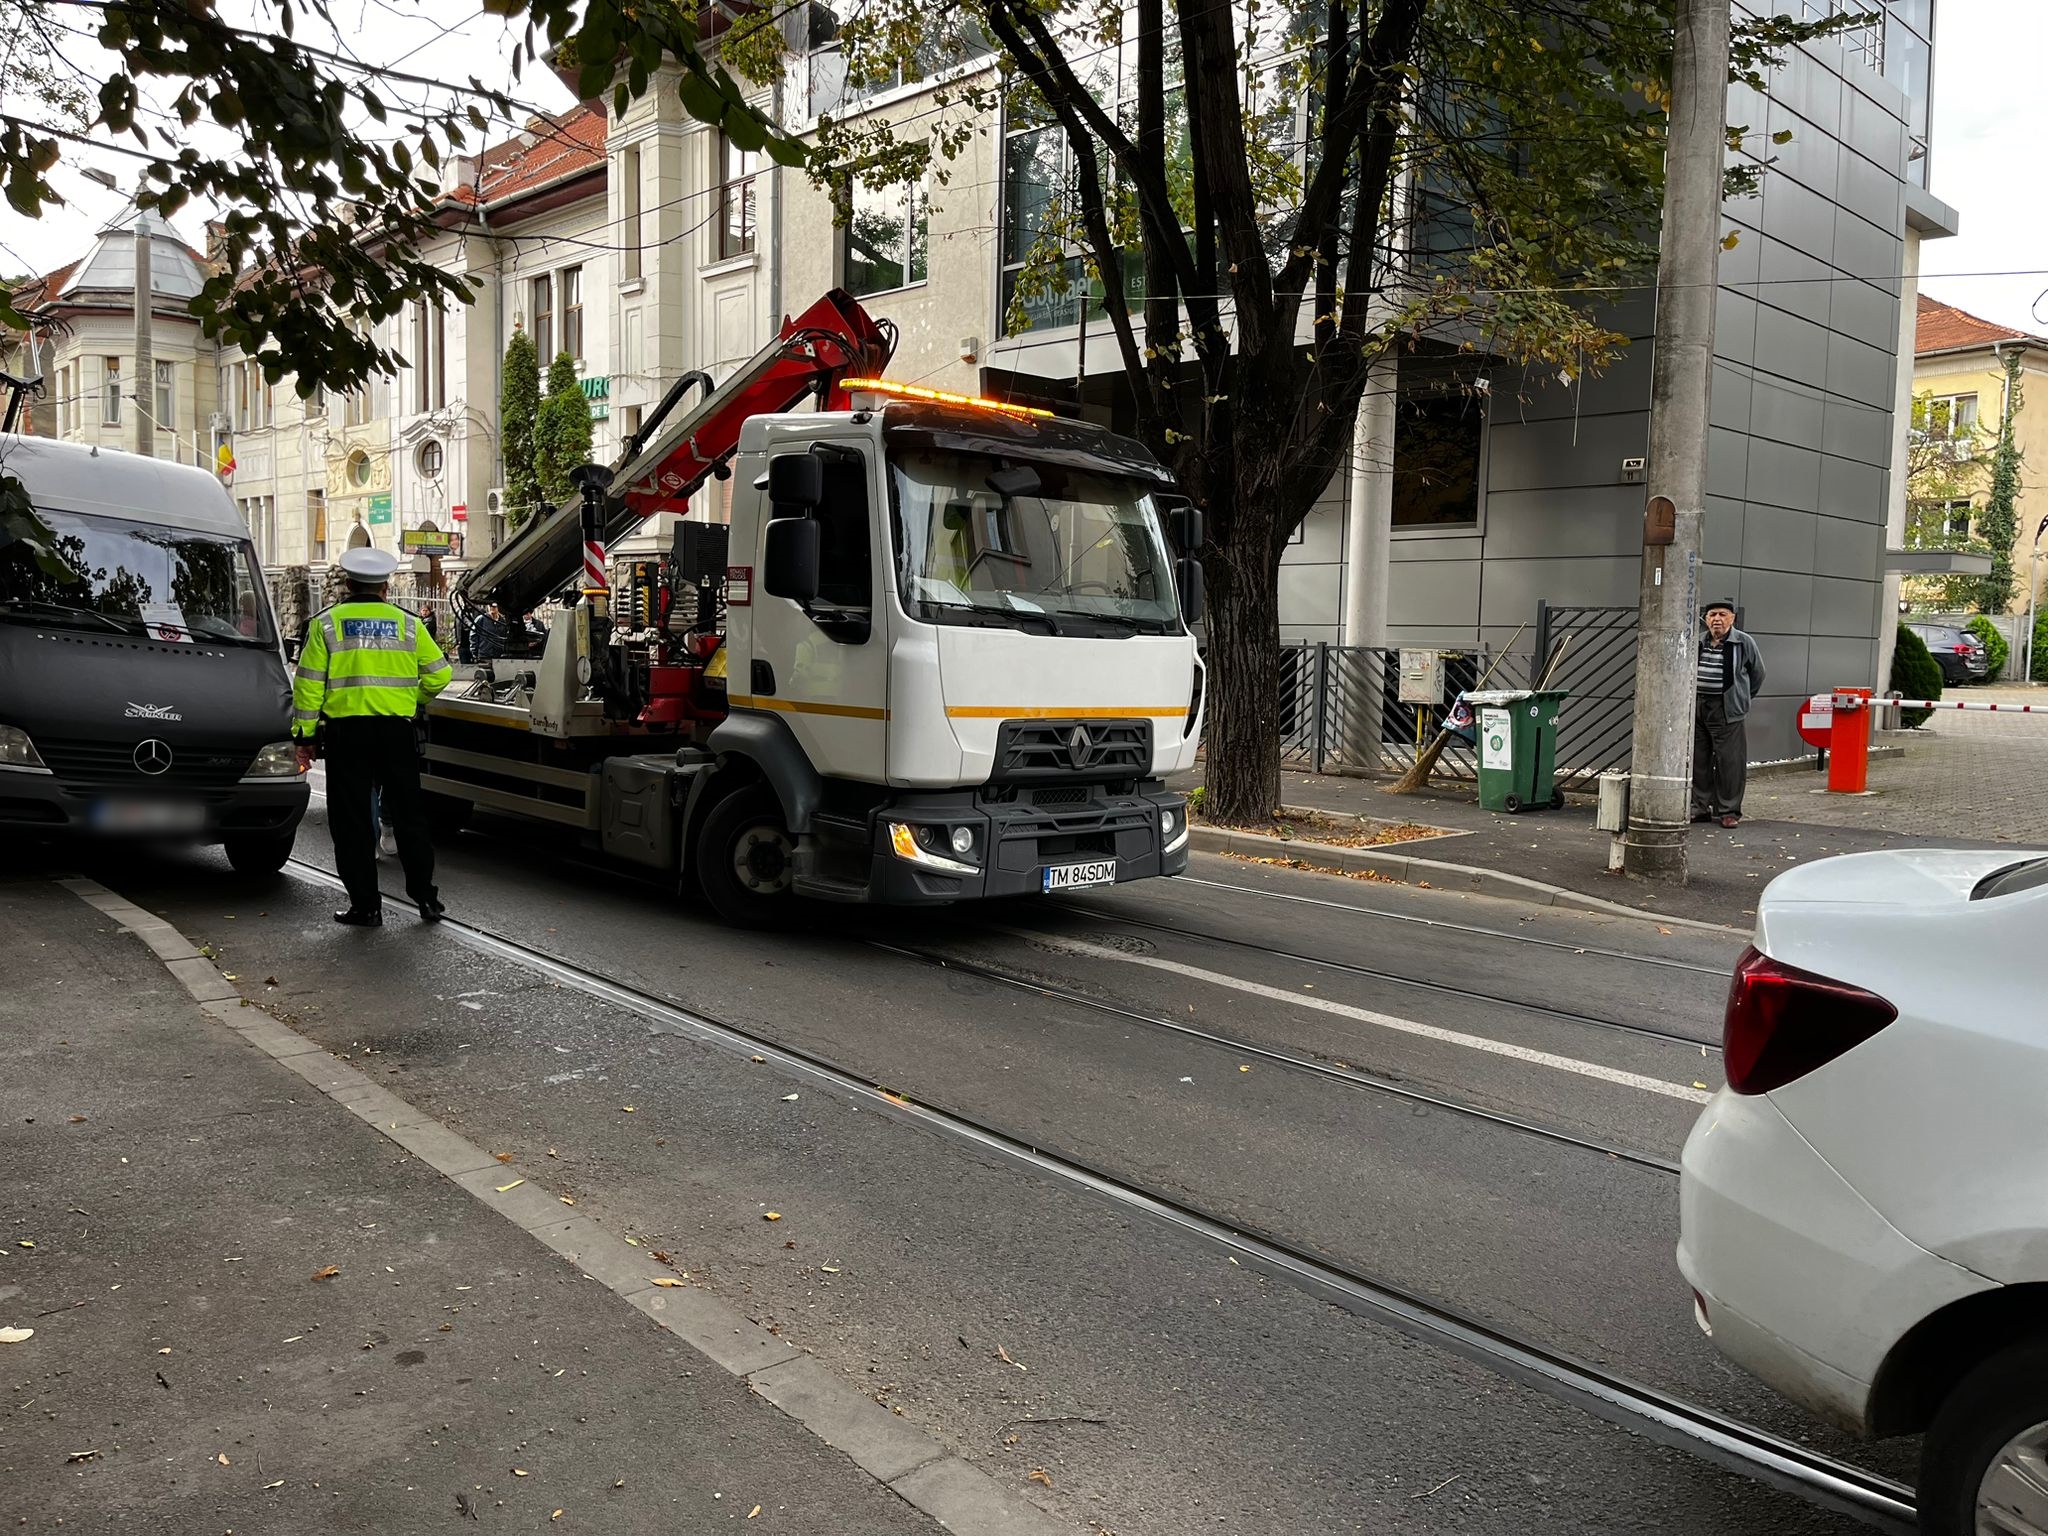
{"x":1720,"y":759}
{"x":380,"y":753}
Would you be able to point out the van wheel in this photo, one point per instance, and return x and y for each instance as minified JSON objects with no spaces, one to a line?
{"x":1984,"y":1463}
{"x":446,"y":815}
{"x":259,"y":853}
{"x":746,"y":859}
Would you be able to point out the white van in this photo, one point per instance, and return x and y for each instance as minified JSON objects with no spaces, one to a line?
{"x":143,"y":689}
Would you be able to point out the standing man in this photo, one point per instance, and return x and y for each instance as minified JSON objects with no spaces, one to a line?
{"x":1731,"y":670}
{"x":366,"y":670}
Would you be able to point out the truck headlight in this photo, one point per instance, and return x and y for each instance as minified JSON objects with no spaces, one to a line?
{"x":1173,"y":830}
{"x":963,"y":841}
{"x":903,"y":841}
{"x":279,"y":760}
{"x":17,"y":751}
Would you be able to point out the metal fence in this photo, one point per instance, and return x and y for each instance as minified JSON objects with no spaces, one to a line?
{"x":1340,"y":708}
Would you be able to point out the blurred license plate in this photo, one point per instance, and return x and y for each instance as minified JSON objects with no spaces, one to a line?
{"x":148,"y":816}
{"x":1069,"y":877}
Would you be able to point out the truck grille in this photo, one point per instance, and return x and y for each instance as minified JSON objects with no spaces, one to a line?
{"x":1036,"y":750}
{"x":113,"y":762}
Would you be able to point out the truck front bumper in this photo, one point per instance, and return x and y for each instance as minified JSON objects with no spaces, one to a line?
{"x":1123,"y":837}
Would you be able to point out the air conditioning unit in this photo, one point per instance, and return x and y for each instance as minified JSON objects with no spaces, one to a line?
{"x":494,"y":501}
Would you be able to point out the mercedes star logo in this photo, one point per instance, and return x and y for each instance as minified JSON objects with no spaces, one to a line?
{"x":1078,"y":744}
{"x":153,"y":757}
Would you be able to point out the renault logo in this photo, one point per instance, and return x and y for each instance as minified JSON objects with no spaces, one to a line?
{"x":153,"y":757}
{"x":1079,"y":742}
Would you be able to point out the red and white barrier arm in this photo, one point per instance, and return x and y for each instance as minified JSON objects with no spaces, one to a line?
{"x":1850,"y":701}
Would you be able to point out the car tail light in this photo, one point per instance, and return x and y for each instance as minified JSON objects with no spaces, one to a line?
{"x":1783,"y":1022}
{"x":1964,"y":650}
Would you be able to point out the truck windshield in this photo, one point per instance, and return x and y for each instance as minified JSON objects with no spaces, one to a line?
{"x":98,"y":572}
{"x":987,"y":540}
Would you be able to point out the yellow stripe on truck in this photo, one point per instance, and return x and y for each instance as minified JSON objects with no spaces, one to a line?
{"x":1088,"y":712}
{"x":806,"y":707}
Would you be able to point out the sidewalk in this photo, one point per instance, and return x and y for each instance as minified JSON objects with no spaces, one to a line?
{"x":254,"y":1313}
{"x":1563,"y":849}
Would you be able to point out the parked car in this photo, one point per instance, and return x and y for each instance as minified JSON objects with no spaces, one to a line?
{"x":1960,"y":654}
{"x":1863,"y":1210}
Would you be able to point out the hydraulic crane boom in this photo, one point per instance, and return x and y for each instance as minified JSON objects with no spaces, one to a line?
{"x":668,"y":459}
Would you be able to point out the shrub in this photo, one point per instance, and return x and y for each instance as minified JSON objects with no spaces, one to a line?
{"x":1996,"y":651}
{"x":1915,"y":675}
{"x":2039,"y":666}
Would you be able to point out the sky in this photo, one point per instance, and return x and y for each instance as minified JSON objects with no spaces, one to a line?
{"x":1990,"y":120}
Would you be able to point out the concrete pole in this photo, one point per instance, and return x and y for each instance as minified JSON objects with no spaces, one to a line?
{"x":1660,"y":771}
{"x":1368,"y":527}
{"x":144,"y":387}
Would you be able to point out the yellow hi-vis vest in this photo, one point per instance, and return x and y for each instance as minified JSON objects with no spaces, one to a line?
{"x":365,"y":658}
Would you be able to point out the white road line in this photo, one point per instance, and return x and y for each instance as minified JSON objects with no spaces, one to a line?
{"x":1572,"y":1064}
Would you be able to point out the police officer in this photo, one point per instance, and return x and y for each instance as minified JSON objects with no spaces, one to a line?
{"x":366,"y":669}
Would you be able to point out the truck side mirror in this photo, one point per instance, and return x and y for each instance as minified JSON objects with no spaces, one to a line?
{"x":791,"y":566}
{"x":1186,"y":523}
{"x":1188,"y":581}
{"x":796,"y":484}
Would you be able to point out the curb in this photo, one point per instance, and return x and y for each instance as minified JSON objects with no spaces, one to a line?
{"x":1441,"y":876}
{"x":907,"y":1460}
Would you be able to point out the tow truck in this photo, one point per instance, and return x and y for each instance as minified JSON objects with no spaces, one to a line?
{"x":940,"y":652}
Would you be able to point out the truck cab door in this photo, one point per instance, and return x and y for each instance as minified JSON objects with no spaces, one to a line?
{"x":822,"y":664}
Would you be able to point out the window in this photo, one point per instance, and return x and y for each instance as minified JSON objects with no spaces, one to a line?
{"x":572,"y":311}
{"x":240,"y":414}
{"x":355,"y":406}
{"x":166,"y":396}
{"x":887,"y":238}
{"x":629,"y":422}
{"x":358,"y":466}
{"x":543,"y":316}
{"x":429,"y":459}
{"x":952,"y":39}
{"x":1951,"y":416}
{"x":1438,"y":430}
{"x":736,"y":170}
{"x":429,"y":359}
{"x":1939,"y":524}
{"x":629,"y":216}
{"x":316,"y":524}
{"x":110,"y":402}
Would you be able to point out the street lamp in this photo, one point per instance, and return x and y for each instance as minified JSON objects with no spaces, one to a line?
{"x":144,"y":436}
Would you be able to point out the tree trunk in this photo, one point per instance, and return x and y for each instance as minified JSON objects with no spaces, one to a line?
{"x":1243,"y":776}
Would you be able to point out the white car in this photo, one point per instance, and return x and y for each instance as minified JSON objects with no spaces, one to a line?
{"x":1864,"y":1208}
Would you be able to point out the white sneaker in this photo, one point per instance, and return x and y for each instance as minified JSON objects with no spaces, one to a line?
{"x":387,"y":844}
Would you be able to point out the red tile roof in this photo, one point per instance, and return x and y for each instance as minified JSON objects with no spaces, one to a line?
{"x":38,"y":290}
{"x":550,"y":151}
{"x":1944,"y":328}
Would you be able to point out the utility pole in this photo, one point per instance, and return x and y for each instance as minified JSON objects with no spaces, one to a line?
{"x":145,"y":362}
{"x":1688,"y":263}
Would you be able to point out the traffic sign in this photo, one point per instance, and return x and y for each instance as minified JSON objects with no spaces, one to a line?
{"x":1817,"y":721}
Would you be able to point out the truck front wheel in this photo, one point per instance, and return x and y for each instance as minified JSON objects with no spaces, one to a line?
{"x":746,"y":859}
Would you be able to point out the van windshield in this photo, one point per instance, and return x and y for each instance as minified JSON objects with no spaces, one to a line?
{"x":1017,"y":543}
{"x":99,"y":572}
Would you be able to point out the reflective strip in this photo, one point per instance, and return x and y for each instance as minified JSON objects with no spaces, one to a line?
{"x":327,"y":632}
{"x":440,"y":674}
{"x":305,"y":714}
{"x":306,"y":674}
{"x":342,"y":685}
{"x":411,"y":628}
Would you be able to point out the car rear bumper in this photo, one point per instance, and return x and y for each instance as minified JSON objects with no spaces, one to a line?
{"x":47,"y":805}
{"x":1802,"y":1283}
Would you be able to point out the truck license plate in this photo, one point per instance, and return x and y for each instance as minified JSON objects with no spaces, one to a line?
{"x":144,"y":816}
{"x":1069,"y":877}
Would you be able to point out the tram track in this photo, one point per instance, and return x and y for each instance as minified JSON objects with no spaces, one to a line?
{"x":1665,"y":1418}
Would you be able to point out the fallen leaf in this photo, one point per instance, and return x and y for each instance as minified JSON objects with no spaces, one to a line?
{"x":757,"y":1060}
{"x":520,"y":1472}
{"x":787,"y":1098}
{"x":1039,"y":1475}
{"x":668,"y":1280}
{"x":830,"y":1269}
{"x":81,"y":1455}
{"x":753,"y":1512}
{"x":222,"y":1458}
{"x":278,"y":1484}
{"x":1003,"y":1355}
{"x":503,"y":1157}
{"x":553,"y":1153}
{"x":78,"y":1119}
{"x":319,"y":1274}
{"x":1663,"y":930}
{"x":556,"y":1515}
{"x":632,"y":1242}
{"x":771,"y":1215}
{"x":16,"y":1335}
{"x":1244,"y":1069}
{"x":164,"y":1351}
{"x":24,"y":1243}
{"x":229,"y":976}
{"x":503,"y":1188}
{"x":565,"y":1199}
{"x":271,"y":981}
{"x":1697,"y":1083}
{"x":625,"y":1109}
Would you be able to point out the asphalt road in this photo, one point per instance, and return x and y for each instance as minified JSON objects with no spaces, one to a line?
{"x":1155,"y":1386}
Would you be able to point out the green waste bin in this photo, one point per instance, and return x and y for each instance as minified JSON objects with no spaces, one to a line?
{"x":1516,"y":733}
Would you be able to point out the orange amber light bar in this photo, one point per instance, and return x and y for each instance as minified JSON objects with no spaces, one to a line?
{"x":919,"y":392}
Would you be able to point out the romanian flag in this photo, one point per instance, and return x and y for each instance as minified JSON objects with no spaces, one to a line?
{"x":224,"y":462}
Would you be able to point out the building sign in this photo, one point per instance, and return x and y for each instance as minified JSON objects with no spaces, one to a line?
{"x":599,"y":393}
{"x":380,"y":509}
{"x":427,"y":541}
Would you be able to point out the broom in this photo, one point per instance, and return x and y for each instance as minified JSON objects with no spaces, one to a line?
{"x":1417,"y":777}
